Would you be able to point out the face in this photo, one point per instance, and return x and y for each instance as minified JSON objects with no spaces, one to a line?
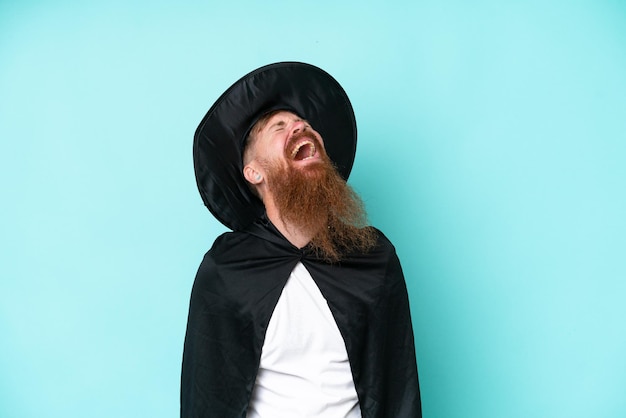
{"x":288,"y":140}
{"x":287,"y":164}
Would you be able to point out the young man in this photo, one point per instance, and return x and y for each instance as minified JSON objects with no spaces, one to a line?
{"x":302,"y":311}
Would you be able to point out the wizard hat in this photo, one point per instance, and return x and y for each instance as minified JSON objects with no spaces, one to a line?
{"x":303,"y":89}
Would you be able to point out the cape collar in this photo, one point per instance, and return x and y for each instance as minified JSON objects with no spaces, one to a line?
{"x":264,"y":228}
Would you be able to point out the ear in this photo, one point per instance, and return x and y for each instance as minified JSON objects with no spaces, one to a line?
{"x":252,"y":175}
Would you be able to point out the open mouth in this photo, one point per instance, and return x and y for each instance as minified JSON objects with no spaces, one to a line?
{"x":303,"y":150}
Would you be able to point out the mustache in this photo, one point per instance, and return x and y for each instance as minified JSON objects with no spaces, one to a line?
{"x":295,"y":138}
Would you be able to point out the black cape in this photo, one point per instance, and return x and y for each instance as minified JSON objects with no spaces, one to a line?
{"x":234,"y":294}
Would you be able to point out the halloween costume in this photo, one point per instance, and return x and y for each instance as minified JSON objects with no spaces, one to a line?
{"x":241,"y":278}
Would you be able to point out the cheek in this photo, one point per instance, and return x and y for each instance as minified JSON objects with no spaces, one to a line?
{"x":319,"y":138}
{"x":277,"y":151}
{"x":271,"y":149}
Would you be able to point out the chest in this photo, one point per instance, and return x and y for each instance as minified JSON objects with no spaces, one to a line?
{"x":302,"y":326}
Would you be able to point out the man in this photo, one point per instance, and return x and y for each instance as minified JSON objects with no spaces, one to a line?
{"x":302,"y":311}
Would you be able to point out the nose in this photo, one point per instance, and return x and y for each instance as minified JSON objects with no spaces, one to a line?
{"x":297,"y":127}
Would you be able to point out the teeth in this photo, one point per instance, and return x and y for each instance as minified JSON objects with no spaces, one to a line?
{"x":300,"y":145}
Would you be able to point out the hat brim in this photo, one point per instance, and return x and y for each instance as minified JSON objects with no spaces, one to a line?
{"x":304,"y":89}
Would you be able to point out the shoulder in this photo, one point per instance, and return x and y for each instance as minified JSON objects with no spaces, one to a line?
{"x":229,"y":246}
{"x":384,"y":247}
{"x":226,"y":249}
{"x":383,"y":241}
{"x":228,"y":240}
{"x":376,"y":259}
{"x":387,"y":252}
{"x":241,"y":255}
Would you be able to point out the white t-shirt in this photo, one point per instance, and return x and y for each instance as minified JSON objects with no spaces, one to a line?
{"x":304,"y":370}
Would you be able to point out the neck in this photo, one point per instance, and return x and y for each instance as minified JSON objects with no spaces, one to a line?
{"x":296,"y":235}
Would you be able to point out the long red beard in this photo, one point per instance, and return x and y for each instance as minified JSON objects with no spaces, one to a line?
{"x":316,"y":200}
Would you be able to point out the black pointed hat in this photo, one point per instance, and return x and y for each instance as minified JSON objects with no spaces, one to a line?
{"x":303,"y":89}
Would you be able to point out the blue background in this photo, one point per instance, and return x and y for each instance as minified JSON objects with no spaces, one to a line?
{"x":491,"y":151}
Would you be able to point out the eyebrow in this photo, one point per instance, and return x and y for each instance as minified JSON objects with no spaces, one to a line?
{"x":275,"y":124}
{"x":281,"y":123}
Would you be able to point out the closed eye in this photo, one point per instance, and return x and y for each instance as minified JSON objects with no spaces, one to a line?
{"x":278,"y":126}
